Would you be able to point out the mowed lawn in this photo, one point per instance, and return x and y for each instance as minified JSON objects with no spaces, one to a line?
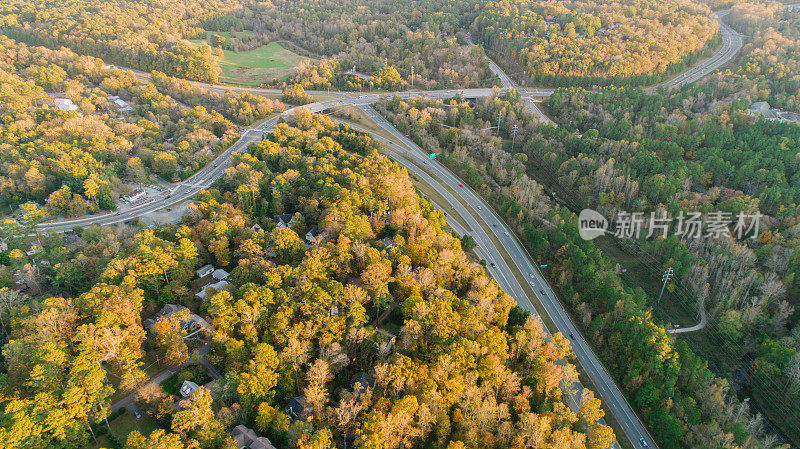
{"x":253,"y":67}
{"x":124,"y":425}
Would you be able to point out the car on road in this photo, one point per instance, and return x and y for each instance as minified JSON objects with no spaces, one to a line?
{"x":480,"y":207}
{"x":642,"y":442}
{"x":532,"y":284}
{"x":572,"y":336}
{"x":137,"y":414}
{"x":492,"y":264}
{"x":506,"y":233}
{"x":459,"y":184}
{"x":541,"y":290}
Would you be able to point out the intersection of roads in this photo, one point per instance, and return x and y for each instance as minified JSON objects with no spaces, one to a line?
{"x":523,"y":281}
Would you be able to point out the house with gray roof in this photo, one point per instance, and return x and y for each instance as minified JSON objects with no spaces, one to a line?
{"x":246,"y":438}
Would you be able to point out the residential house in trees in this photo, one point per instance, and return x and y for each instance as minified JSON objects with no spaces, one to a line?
{"x":188,"y":388}
{"x":314,"y":236}
{"x":285,"y":221}
{"x":65,"y":104}
{"x":362,"y":382}
{"x":219,"y":274}
{"x":193,"y":324}
{"x":246,"y":438}
{"x":205,"y":270}
{"x":297,"y":408}
{"x":215,"y":287}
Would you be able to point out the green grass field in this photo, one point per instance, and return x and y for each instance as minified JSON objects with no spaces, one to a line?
{"x":251,"y":68}
{"x":124,"y":425}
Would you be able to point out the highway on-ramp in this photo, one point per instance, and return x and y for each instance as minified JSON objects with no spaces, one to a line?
{"x":477,"y":214}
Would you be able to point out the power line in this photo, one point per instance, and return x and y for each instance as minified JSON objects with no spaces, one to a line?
{"x":667,"y":276}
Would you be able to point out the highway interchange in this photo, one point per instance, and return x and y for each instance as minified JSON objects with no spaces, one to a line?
{"x":484,"y":225}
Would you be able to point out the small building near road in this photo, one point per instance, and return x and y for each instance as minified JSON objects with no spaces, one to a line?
{"x":188,"y":388}
{"x":763,"y":108}
{"x":137,"y":195}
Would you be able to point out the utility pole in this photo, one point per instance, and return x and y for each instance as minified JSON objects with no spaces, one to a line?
{"x":667,"y":276}
{"x":499,"y":116}
{"x":412,"y":76}
{"x":513,"y":138}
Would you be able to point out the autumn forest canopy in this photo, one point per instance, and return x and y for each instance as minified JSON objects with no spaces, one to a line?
{"x":549,"y":42}
{"x":309,"y":290}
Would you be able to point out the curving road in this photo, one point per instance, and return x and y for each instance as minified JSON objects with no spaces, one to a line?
{"x":478,"y":211}
{"x":731,"y":44}
{"x":478,"y":215}
{"x":699,"y":326}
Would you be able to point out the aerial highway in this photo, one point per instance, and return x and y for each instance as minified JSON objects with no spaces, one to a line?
{"x":731,"y":44}
{"x":477,"y":214}
{"x":479,"y":211}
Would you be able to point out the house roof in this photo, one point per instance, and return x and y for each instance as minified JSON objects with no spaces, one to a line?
{"x":220,"y":274}
{"x":205,"y":270}
{"x":296,"y":406}
{"x":188,"y":388}
{"x":284,"y":219}
{"x":362,"y":382}
{"x":246,"y":438}
{"x":219,"y":286}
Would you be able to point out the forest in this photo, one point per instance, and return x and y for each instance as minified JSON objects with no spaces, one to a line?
{"x":391,"y":45}
{"x":465,"y":367}
{"x":112,"y":131}
{"x":140,"y":35}
{"x":572,"y":42}
{"x":552,"y":174}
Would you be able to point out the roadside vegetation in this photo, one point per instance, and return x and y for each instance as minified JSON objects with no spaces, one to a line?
{"x":684,"y":403}
{"x":463,"y":367}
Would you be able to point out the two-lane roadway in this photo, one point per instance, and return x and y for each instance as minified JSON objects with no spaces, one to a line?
{"x":471,"y":207}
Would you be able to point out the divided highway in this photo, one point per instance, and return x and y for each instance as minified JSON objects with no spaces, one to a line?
{"x":731,"y":44}
{"x":477,"y":214}
{"x":478,"y":210}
